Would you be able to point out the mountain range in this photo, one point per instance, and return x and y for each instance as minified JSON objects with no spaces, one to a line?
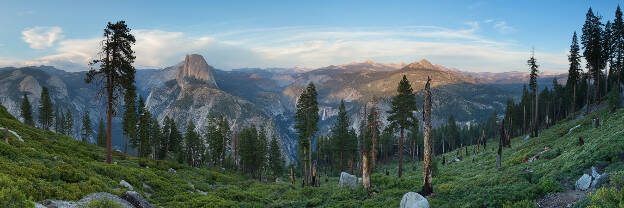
{"x":194,"y":90}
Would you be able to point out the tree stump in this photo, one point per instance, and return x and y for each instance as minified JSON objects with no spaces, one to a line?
{"x":580,"y":140}
{"x":597,"y":122}
{"x":6,"y":135}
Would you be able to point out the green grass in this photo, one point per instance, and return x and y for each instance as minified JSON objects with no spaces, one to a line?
{"x":30,"y":173}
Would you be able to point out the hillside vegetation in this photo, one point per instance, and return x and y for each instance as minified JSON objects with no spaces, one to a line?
{"x":52,"y":166}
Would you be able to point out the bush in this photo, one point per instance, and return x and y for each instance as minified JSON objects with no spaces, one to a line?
{"x":550,"y":186}
{"x":13,"y":197}
{"x":103,"y":203}
{"x":607,"y":197}
{"x":614,"y":99}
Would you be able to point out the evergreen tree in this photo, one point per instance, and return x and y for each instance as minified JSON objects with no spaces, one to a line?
{"x":261,"y":148}
{"x":618,"y":46}
{"x":595,"y":56}
{"x":85,"y":132}
{"x":101,"y":134}
{"x":215,"y":141}
{"x":306,"y":120}
{"x":129,"y":121}
{"x":45,"y":110}
{"x":156,"y":138}
{"x":194,"y":146}
{"x":340,"y":135}
{"x":115,"y":71}
{"x":248,"y":150}
{"x":574,"y":71}
{"x":144,"y":123}
{"x":224,"y":130}
{"x":58,"y":121}
{"x":26,"y":111}
{"x":532,"y":62}
{"x":401,"y":115}
{"x":275,"y":160}
{"x":68,"y":123}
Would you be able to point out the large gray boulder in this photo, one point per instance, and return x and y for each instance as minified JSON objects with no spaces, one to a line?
{"x":136,"y":199}
{"x":414,"y":200}
{"x":126,"y":184}
{"x":86,"y":200}
{"x":347,"y":180}
{"x":583,"y":183}
{"x":601,"y":181}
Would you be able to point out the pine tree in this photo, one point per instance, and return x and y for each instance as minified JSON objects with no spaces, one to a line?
{"x":275,"y":160}
{"x":340,"y":134}
{"x":618,"y":46}
{"x":26,"y":111}
{"x":306,"y":120}
{"x":68,"y":123}
{"x":101,"y":134}
{"x":261,"y":148}
{"x":156,"y":138}
{"x":248,"y":150}
{"x":143,"y":130}
{"x":215,"y":141}
{"x":115,"y":70}
{"x":85,"y":132}
{"x":224,"y":130}
{"x":401,"y":115}
{"x":574,"y":71}
{"x":129,"y":122}
{"x":591,"y":39}
{"x":60,"y":123}
{"x":194,"y":146}
{"x":532,"y":62}
{"x":45,"y":110}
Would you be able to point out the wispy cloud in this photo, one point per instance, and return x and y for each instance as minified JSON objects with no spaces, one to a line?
{"x":40,"y":38}
{"x":502,"y":26}
{"x":461,"y":48}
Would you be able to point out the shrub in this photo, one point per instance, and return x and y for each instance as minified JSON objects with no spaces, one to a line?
{"x":550,"y":186}
{"x":607,"y":197}
{"x":13,"y":197}
{"x":103,"y":203}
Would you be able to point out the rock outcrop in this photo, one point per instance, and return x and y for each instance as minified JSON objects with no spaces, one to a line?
{"x":195,"y":68}
{"x":136,"y":199}
{"x":86,"y":200}
{"x":583,"y":183}
{"x":414,"y":200}
{"x":347,"y":180}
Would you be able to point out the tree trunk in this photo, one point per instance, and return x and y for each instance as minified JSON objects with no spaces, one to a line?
{"x":365,"y":170}
{"x":523,"y":119}
{"x":373,"y":152}
{"x":6,"y":134}
{"x":341,"y":167}
{"x":126,"y":144}
{"x":588,"y":100}
{"x":574,"y":99}
{"x":305,"y":166}
{"x":401,"y":154}
{"x":427,"y":188}
{"x":536,"y":125}
{"x":310,"y":156}
{"x":109,"y":119}
{"x":292,"y":175}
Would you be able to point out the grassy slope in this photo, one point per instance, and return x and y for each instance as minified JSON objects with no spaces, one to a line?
{"x":78,"y":170}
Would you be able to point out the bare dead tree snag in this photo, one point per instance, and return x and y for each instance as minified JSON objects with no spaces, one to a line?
{"x":427,"y":188}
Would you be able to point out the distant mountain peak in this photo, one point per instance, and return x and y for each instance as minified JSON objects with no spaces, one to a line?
{"x":195,"y":67}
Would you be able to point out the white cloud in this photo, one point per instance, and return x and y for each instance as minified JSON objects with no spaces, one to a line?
{"x":41,"y":38}
{"x":459,"y":48}
{"x":502,"y":26}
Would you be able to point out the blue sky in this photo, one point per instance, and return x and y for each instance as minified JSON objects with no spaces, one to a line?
{"x":491,"y":36}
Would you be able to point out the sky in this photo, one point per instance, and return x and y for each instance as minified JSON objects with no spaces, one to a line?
{"x":477,"y":36}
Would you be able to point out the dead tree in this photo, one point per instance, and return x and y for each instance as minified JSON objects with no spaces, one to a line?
{"x":6,"y":135}
{"x":427,"y":172}
{"x":500,"y":144}
{"x":292,"y":176}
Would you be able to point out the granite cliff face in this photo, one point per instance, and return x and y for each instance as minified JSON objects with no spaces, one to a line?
{"x":195,"y":68}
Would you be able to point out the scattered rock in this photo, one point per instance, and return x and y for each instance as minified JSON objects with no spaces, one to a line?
{"x":171,"y":170}
{"x":594,"y":173}
{"x":277,"y":180}
{"x":359,"y":180}
{"x":347,"y":180}
{"x":601,"y":181}
{"x":452,"y":161}
{"x":115,"y":162}
{"x":190,"y":185}
{"x":561,"y":199}
{"x":85,"y":201}
{"x":201,"y":192}
{"x":572,"y":129}
{"x":526,"y":138}
{"x":136,"y":199}
{"x":583,"y":183}
{"x":414,"y":200}
{"x":147,"y":190}
{"x":126,"y":184}
{"x":37,"y":205}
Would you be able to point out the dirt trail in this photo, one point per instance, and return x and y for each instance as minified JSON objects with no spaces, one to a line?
{"x":561,"y":199}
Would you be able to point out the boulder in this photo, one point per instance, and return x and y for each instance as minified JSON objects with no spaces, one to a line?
{"x":126,"y":184}
{"x":347,"y":180}
{"x":594,"y":173}
{"x":86,"y":200}
{"x":171,"y":170}
{"x":602,"y":180}
{"x":136,"y":199}
{"x":452,"y":161}
{"x":414,"y":200}
{"x":526,"y":138}
{"x":190,"y":185}
{"x":148,"y":190}
{"x":583,"y":183}
{"x":359,"y":180}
